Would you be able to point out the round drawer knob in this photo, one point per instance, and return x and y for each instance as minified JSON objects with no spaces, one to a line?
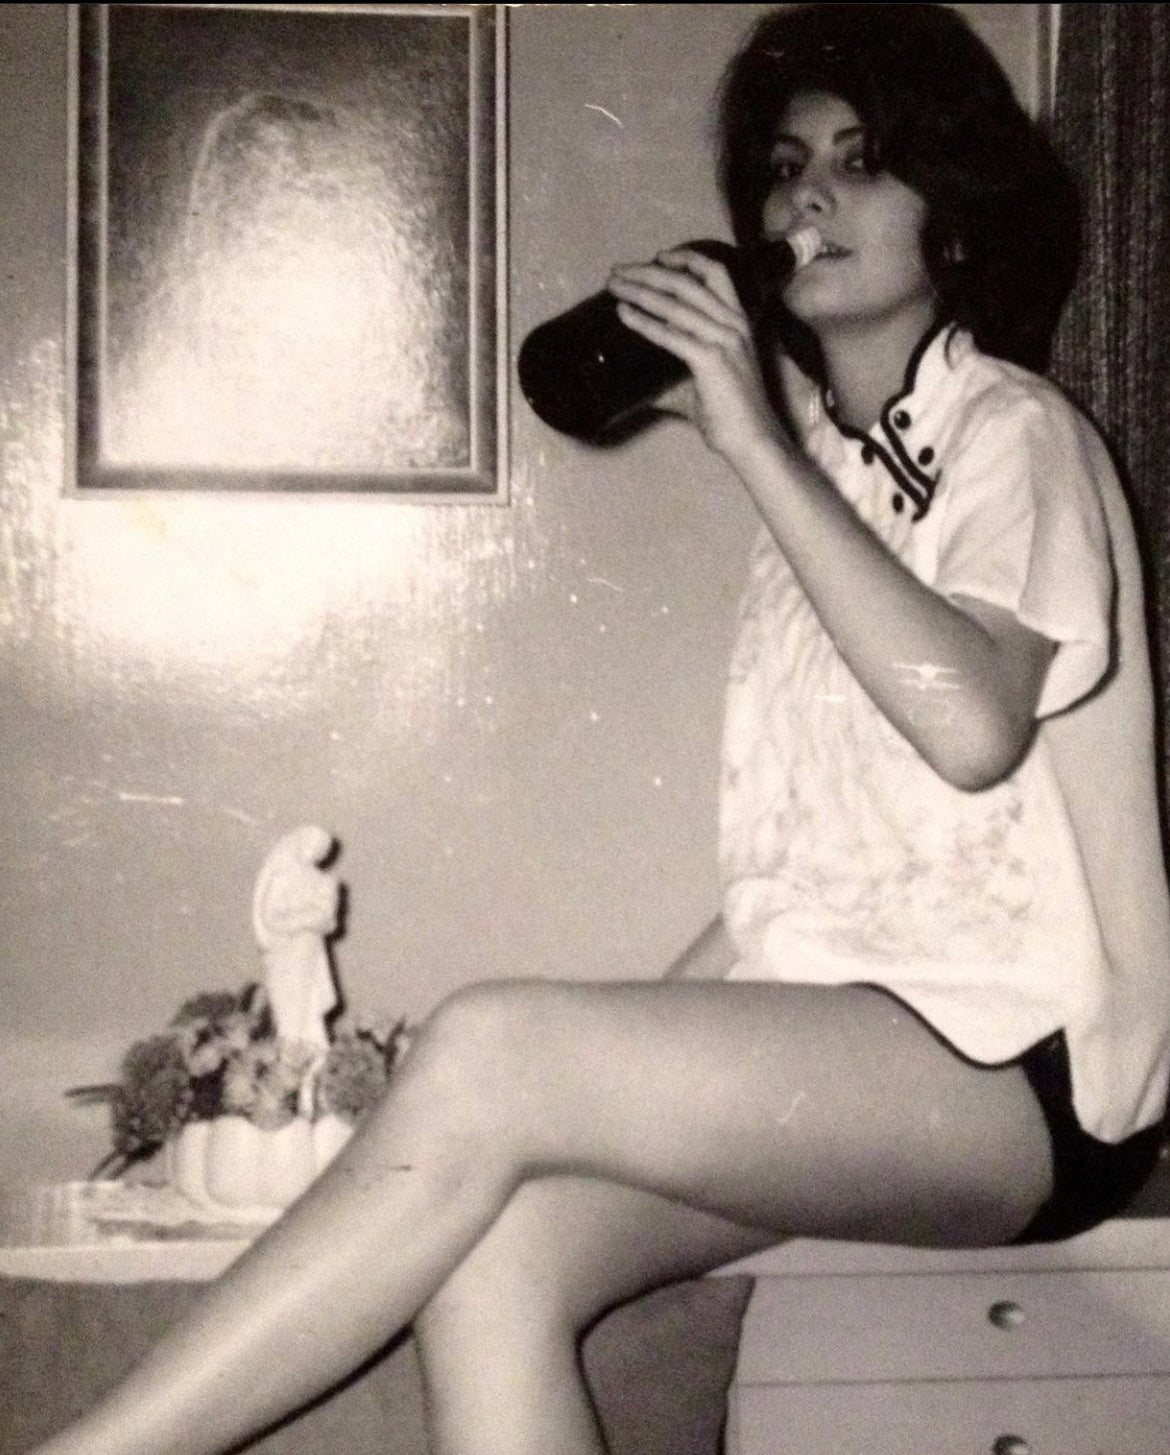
{"x":1011,"y":1445}
{"x":1006,"y":1315}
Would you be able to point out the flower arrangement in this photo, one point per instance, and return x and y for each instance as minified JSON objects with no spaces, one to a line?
{"x":221,"y":1057}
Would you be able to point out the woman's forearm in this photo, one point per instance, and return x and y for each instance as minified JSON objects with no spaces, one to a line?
{"x":959,"y":681}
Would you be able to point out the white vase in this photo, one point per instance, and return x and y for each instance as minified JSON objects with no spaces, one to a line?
{"x":330,"y":1134}
{"x":231,"y":1164}
{"x":251,"y":1167}
{"x":187,"y":1159}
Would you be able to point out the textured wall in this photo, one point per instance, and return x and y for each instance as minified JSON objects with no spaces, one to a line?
{"x":509,"y":715}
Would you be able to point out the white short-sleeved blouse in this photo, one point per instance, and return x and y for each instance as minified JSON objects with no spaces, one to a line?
{"x":998,"y":915}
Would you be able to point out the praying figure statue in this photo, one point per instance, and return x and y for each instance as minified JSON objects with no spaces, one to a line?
{"x":294,"y":911}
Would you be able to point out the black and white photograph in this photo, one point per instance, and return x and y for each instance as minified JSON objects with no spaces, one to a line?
{"x":584,"y":729}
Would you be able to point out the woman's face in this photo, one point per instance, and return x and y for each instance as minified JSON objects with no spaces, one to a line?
{"x":872,"y":269}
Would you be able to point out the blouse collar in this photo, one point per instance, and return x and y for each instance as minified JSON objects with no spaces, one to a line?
{"x":908,"y":461}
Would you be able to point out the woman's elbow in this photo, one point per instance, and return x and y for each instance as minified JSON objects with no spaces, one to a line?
{"x":981,"y":752}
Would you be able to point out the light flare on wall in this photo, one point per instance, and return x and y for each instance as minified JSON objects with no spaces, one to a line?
{"x":268,"y":599}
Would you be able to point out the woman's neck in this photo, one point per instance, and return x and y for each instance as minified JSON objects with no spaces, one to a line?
{"x":866,"y":364}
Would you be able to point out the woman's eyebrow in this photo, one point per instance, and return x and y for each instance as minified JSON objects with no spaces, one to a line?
{"x":846,"y":134}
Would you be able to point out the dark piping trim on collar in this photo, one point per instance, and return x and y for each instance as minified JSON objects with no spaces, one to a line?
{"x":907,"y":475}
{"x":920,"y":489}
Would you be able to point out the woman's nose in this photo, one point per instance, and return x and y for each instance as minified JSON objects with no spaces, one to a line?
{"x":808,"y":198}
{"x":813,"y":195}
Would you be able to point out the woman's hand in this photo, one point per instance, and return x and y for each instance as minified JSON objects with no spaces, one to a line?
{"x":685,"y":302}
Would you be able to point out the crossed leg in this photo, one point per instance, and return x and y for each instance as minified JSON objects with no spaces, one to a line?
{"x":828,"y":1112}
{"x":499,"y":1343}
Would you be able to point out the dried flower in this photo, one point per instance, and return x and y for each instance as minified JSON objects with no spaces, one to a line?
{"x":358,"y":1067}
{"x":221,"y":1057}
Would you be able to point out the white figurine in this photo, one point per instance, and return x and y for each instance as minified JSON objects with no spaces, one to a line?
{"x":294,"y":910}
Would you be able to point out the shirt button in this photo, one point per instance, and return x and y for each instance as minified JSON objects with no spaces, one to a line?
{"x":867,"y":454}
{"x":898,"y":503}
{"x":925,"y":456}
{"x":901,"y":419}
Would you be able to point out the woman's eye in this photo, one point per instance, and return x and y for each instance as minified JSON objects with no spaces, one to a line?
{"x":860,"y":164}
{"x":785,"y":169}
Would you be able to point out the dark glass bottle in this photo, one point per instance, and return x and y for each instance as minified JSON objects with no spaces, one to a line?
{"x":587,"y":375}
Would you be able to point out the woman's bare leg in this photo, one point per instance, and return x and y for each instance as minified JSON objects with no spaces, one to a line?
{"x":795,"y":1109}
{"x":499,"y":1343}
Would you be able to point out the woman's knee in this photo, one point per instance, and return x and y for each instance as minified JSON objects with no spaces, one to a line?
{"x":478,"y":1048}
{"x":499,"y":1302}
{"x":516,"y":1289}
{"x":498,"y":1347}
{"x":483,"y":1027}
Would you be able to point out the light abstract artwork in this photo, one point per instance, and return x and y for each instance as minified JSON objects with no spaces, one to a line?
{"x":288,"y":237}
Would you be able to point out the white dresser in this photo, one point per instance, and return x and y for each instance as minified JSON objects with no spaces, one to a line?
{"x":1057,"y":1349}
{"x":851,"y":1349}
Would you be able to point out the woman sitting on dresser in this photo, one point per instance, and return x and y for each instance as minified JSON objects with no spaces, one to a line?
{"x":935,"y":1006}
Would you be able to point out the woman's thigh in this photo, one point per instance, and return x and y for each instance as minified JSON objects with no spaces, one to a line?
{"x":796,"y":1109}
{"x":567,"y":1248}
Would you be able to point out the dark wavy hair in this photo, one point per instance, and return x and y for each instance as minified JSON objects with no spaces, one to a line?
{"x":1001,"y":240}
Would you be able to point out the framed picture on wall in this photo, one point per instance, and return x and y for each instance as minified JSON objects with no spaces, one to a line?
{"x":287,"y":239}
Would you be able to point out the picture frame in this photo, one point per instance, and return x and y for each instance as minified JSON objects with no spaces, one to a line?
{"x":287,"y":250}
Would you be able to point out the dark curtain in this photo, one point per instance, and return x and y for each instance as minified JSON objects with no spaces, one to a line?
{"x":1112,"y":124}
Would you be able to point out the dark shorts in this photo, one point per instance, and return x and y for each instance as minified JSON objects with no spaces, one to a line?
{"x":1091,"y":1180}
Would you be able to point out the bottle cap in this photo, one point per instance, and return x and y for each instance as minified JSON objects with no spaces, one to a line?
{"x":806,"y":242}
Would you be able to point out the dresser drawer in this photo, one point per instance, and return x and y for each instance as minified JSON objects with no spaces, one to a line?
{"x":878,"y":1328}
{"x":1046,"y":1417}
